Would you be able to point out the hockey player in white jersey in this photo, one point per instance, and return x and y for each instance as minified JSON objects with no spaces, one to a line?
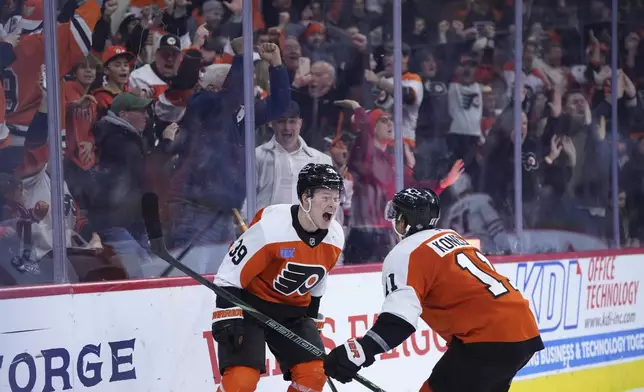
{"x":474,"y":216}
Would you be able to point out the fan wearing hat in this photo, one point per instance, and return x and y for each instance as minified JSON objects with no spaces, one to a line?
{"x":371,"y":161}
{"x":170,"y":79}
{"x":153,"y":78}
{"x":117,"y":66}
{"x":122,"y":152}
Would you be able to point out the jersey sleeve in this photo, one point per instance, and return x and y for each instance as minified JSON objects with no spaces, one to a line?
{"x":75,"y":37}
{"x":406,"y":280}
{"x":246,"y":258}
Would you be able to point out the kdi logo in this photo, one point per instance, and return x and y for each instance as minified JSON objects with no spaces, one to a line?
{"x":554,"y":291}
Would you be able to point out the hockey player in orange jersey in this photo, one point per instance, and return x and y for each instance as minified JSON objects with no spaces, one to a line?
{"x":279,"y":266}
{"x":438,"y":276}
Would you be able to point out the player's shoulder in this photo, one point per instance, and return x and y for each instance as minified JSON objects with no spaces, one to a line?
{"x":415,"y":243}
{"x":273,"y":215}
{"x":335,"y":236}
{"x":276,"y":223}
{"x":426,"y":243}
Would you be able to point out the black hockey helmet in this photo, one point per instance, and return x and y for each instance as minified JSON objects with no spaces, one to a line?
{"x":318,"y":175}
{"x":418,"y":206}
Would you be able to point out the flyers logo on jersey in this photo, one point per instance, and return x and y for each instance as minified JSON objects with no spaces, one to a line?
{"x":298,"y":278}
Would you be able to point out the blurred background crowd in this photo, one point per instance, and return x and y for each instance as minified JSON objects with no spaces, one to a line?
{"x":151,"y":98}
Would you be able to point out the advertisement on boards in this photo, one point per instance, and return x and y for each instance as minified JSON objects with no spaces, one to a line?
{"x":588,"y":310}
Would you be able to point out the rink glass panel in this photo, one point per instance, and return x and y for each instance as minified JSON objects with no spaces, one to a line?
{"x":562,"y":207}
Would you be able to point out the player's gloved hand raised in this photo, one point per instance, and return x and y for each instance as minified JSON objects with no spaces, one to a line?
{"x":228,"y":327}
{"x":344,"y":362}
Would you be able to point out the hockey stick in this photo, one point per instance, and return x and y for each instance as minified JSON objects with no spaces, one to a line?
{"x":150,"y":209}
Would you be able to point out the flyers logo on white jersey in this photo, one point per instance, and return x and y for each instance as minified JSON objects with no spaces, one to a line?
{"x":298,"y":278}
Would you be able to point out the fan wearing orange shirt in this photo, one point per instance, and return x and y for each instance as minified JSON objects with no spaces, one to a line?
{"x":438,"y":276}
{"x":279,"y":266}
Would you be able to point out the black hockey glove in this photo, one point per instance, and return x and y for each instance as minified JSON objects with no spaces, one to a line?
{"x":344,"y":362}
{"x":228,"y":327}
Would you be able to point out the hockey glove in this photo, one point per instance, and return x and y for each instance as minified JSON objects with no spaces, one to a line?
{"x":344,"y":362}
{"x":228,"y":327}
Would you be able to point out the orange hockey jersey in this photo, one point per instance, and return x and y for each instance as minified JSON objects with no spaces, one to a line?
{"x":20,"y":80}
{"x":440,"y":277}
{"x":277,"y":261}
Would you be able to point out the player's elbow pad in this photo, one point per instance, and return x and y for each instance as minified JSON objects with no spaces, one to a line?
{"x":223,"y":302}
{"x":388,"y":332}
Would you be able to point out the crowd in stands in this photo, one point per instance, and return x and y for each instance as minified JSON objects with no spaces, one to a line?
{"x":152,"y":100}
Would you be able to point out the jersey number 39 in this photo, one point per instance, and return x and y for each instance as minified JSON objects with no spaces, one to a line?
{"x":238,"y":252}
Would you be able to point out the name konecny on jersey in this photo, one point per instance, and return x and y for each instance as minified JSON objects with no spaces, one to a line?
{"x":448,"y":243}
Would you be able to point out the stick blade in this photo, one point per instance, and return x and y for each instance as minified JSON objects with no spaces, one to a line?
{"x":150,"y":210}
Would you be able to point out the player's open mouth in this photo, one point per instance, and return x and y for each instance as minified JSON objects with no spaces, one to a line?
{"x":327,"y":216}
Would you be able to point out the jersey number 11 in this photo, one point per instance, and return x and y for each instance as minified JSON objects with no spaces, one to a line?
{"x":494,"y":286}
